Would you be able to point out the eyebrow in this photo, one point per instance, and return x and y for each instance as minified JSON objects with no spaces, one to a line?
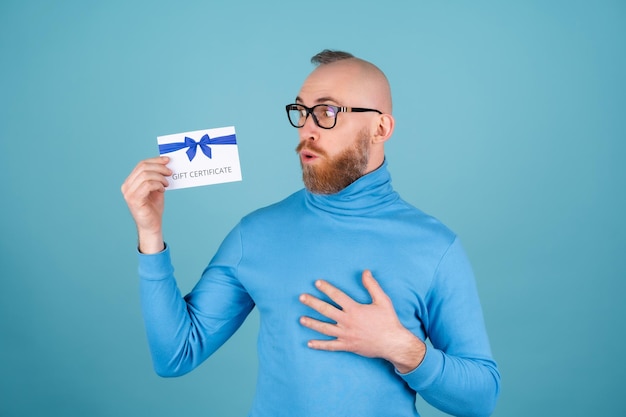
{"x":319,"y":100}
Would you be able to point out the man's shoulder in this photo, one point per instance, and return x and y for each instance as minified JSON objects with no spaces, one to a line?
{"x":413,"y":216}
{"x":288,"y":205}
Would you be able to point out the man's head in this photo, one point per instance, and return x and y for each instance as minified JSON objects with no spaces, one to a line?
{"x":334,"y":158}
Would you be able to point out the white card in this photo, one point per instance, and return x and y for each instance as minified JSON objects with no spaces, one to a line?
{"x":201,"y":157}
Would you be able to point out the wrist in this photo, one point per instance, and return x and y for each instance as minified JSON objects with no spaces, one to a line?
{"x":150,"y":242}
{"x":408,"y":354}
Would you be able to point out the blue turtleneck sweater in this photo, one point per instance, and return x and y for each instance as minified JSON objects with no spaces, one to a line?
{"x":276,"y":253}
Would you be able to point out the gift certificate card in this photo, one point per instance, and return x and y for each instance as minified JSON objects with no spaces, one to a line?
{"x":202,"y":157}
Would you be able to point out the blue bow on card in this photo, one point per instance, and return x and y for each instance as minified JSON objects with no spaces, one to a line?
{"x":204,"y":143}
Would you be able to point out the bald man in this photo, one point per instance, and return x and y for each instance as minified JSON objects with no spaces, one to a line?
{"x":349,"y":279}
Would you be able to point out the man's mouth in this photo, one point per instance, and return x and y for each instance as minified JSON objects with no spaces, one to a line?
{"x":308,"y":157}
{"x":308,"y":153}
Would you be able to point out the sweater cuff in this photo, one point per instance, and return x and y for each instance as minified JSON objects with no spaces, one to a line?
{"x":155,"y":267}
{"x":426,"y":373}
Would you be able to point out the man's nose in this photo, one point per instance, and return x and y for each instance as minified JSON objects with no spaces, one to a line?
{"x":310,"y":130}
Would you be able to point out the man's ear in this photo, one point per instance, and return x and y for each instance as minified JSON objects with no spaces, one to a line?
{"x":384,"y":128}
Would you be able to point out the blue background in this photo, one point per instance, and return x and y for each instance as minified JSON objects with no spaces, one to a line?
{"x":510,"y":129}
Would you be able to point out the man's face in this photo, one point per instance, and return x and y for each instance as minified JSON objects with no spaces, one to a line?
{"x":329,"y":175}
{"x":334,"y":158}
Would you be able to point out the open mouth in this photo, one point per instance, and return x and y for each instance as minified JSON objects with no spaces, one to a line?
{"x":306,"y":155}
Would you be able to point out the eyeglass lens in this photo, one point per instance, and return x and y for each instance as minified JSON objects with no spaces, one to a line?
{"x":324,"y":115}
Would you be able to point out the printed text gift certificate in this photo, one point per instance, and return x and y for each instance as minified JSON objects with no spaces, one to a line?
{"x":202,"y":157}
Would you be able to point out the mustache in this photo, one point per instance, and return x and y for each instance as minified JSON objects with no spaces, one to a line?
{"x":310,"y":147}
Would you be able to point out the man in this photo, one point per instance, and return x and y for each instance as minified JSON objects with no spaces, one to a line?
{"x":349,"y":279}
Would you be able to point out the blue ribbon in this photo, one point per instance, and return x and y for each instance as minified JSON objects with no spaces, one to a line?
{"x":204,"y":143}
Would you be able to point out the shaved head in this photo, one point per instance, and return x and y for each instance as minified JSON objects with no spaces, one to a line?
{"x":354,"y":146}
{"x":362,"y":80}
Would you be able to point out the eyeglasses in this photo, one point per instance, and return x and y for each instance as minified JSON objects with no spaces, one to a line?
{"x":324,"y":115}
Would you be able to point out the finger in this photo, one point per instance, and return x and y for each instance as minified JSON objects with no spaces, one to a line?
{"x":334,"y":293}
{"x":373,"y":288}
{"x":334,"y":345}
{"x":322,"y":307}
{"x":161,"y":159}
{"x":140,"y":187}
{"x":148,"y":185}
{"x":328,"y":329}
{"x":158,"y":164}
{"x":145,"y":172}
{"x":154,"y":162}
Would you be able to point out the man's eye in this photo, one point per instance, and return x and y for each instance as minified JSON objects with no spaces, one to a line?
{"x":329,"y":112}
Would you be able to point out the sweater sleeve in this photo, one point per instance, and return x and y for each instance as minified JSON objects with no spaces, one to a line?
{"x":458,"y":374}
{"x":183,"y":332}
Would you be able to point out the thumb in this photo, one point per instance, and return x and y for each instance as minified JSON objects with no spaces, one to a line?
{"x":372,"y":287}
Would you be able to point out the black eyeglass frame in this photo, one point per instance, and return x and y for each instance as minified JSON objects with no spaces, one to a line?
{"x":338,"y":109}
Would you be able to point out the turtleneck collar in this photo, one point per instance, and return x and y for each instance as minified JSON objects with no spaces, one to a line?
{"x":369,"y":193}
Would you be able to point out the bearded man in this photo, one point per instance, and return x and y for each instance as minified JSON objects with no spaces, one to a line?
{"x":349,"y":279}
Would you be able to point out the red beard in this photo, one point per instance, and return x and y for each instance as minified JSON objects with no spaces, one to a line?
{"x":334,"y":174}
